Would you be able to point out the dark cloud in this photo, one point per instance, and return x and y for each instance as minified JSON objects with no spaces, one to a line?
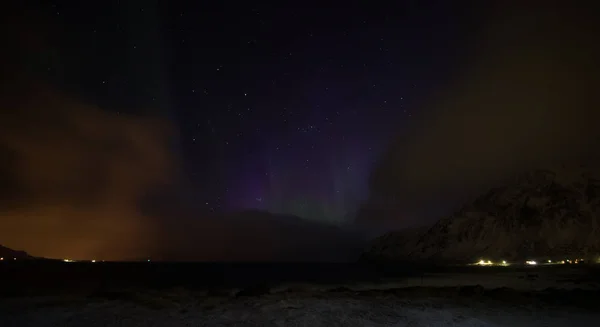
{"x":527,"y":98}
{"x":75,"y":174}
{"x":76,"y":179}
{"x":71,"y":173}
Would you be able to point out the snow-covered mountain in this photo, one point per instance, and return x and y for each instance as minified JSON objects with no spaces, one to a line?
{"x":543,"y":213}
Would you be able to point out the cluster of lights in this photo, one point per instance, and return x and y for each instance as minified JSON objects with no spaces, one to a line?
{"x":580,"y":260}
{"x":490,"y":263}
{"x":2,"y":259}
{"x":530,"y":262}
{"x":92,"y":261}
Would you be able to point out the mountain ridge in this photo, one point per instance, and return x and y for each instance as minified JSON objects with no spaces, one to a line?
{"x":547,"y":212}
{"x":10,"y":254}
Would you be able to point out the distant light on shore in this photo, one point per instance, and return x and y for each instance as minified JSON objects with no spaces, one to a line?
{"x":539,"y":262}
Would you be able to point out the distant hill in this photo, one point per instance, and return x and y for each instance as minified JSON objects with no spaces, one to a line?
{"x":254,"y":235}
{"x":10,"y":254}
{"x":543,"y":213}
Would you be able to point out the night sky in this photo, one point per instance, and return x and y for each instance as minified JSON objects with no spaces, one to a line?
{"x":123,"y":110}
{"x":281,"y":109}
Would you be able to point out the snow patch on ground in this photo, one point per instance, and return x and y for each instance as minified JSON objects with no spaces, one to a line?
{"x":287,"y":309}
{"x":537,"y":297}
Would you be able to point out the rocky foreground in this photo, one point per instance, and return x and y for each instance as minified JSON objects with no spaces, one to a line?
{"x":452,"y":306}
{"x":491,"y":297}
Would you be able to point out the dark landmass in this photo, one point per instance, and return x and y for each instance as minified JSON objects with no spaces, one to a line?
{"x":254,"y":236}
{"x":10,"y":254}
{"x":542,"y":214}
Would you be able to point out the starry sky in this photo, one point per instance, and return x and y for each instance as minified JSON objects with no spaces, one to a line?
{"x":135,"y":123}
{"x":282,"y":109}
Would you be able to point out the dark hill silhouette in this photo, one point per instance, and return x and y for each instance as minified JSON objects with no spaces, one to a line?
{"x":254,"y":235}
{"x":10,"y":254}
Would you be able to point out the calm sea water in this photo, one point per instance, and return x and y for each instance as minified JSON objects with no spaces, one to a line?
{"x":193,"y":275}
{"x":41,"y":276}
